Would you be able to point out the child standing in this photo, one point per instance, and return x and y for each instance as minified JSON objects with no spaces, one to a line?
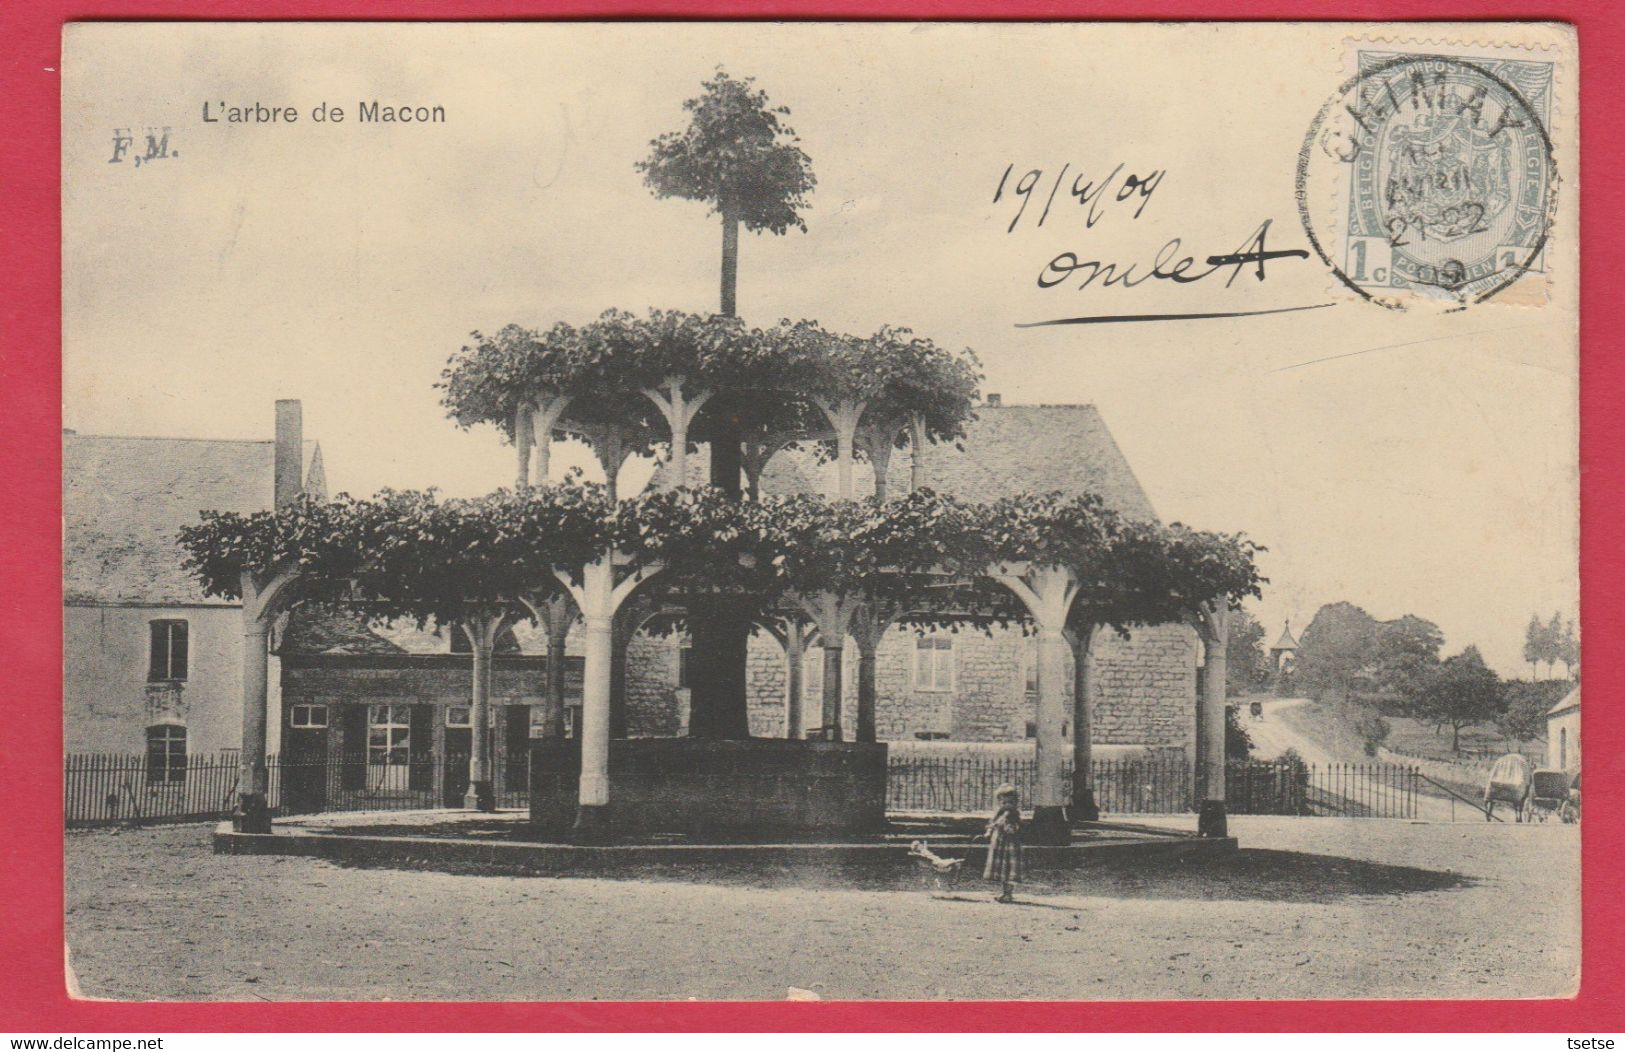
{"x":1004,"y":842}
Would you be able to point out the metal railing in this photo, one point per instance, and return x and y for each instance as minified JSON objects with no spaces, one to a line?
{"x":1347,"y":790}
{"x":108,"y":788}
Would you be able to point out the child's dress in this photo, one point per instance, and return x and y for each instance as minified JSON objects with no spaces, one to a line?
{"x":1004,"y":851}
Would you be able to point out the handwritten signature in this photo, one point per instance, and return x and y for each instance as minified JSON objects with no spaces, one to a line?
{"x":1168,"y":265}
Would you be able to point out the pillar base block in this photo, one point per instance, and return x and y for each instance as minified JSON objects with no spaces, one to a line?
{"x":480,"y":797}
{"x":1049,"y":826}
{"x":1084,"y":808}
{"x":252,"y":815}
{"x":592,"y":824}
{"x":1210,"y":819}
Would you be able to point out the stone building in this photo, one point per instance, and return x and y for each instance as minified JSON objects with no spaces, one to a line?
{"x":150,"y":664}
{"x":1563,"y":733}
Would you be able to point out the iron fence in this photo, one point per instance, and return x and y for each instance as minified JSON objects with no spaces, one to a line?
{"x":101,"y":788}
{"x":106,"y":788}
{"x":964,"y":784}
{"x":1348,"y":790}
{"x":111,"y":787}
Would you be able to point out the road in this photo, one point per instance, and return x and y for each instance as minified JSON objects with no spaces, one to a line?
{"x":1273,"y":736}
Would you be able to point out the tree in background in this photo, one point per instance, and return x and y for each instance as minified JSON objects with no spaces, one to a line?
{"x":1405,"y":656}
{"x":1463,"y":691}
{"x":1553,"y":639}
{"x":1335,"y":652}
{"x":1249,"y":666}
{"x":1568,"y":648}
{"x":1524,"y":706}
{"x":1534,"y":645}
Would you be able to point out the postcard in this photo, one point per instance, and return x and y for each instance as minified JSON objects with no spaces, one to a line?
{"x":817,"y":511}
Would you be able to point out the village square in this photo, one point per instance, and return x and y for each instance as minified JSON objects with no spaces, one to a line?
{"x":788,"y":662}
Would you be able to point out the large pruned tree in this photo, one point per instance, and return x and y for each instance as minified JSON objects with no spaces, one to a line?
{"x":739,"y":156}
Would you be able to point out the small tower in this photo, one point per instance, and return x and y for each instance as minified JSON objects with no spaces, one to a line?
{"x":1284,"y":654}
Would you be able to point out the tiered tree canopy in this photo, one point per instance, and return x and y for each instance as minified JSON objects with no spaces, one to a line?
{"x":625,"y":383}
{"x":410,"y":554}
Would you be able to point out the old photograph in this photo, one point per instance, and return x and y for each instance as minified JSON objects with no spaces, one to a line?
{"x":816,"y":511}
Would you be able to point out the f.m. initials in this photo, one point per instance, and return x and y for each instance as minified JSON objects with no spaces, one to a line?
{"x":157,"y":146}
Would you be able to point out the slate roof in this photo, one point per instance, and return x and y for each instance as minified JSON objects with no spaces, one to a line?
{"x":125,"y":498}
{"x":1286,"y":642}
{"x":1007,"y":449}
{"x":1570,"y":701}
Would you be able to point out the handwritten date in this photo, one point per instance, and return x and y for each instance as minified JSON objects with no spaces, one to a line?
{"x":1091,"y":194}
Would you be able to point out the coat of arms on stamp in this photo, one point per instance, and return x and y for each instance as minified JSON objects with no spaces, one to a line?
{"x":1449,"y":183}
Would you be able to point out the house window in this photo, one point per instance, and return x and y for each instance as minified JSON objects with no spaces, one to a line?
{"x":1562,"y":748}
{"x":934,"y":663}
{"x":166,"y":656}
{"x":389,"y":731}
{"x":683,"y":653}
{"x":458,"y":716}
{"x":1029,"y":665}
{"x":572,"y":717}
{"x":305,"y":717}
{"x":538,"y":721}
{"x":166,"y":754}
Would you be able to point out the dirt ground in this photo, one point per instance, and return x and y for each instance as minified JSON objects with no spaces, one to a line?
{"x":1309,"y":908}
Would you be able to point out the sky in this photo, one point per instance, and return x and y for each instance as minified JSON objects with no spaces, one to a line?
{"x":1410,"y":462}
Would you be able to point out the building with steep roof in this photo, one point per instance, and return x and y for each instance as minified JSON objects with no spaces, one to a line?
{"x":1284,"y":654}
{"x":150,"y":663}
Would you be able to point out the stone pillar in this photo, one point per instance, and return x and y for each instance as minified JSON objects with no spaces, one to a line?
{"x":1084,"y":807}
{"x":253,"y":813}
{"x":1210,"y":819}
{"x":1049,"y":825}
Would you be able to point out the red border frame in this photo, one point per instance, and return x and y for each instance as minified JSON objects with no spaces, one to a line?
{"x":31,"y":938}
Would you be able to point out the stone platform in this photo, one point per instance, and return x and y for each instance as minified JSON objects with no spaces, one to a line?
{"x":507,"y":842}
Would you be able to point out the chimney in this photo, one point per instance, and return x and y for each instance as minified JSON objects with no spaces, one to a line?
{"x":290,"y":450}
{"x":994,"y":401}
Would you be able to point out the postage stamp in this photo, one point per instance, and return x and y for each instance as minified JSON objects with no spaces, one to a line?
{"x":1437,"y":178}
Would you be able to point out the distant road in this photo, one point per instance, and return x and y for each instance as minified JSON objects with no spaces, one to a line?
{"x":1273,"y":736}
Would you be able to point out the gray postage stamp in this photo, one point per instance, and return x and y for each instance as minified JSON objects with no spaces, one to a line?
{"x":1447,"y":177}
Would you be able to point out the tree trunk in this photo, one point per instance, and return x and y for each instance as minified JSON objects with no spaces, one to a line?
{"x":620,"y":642}
{"x":794,"y":649}
{"x":1049,"y":802}
{"x":521,"y":447}
{"x":553,"y":712}
{"x":832,"y":689}
{"x":730,"y":256}
{"x":880,"y":460}
{"x":865,"y":731}
{"x":253,"y":813}
{"x":1211,"y":820}
{"x":481,"y":795}
{"x":1084,"y":806}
